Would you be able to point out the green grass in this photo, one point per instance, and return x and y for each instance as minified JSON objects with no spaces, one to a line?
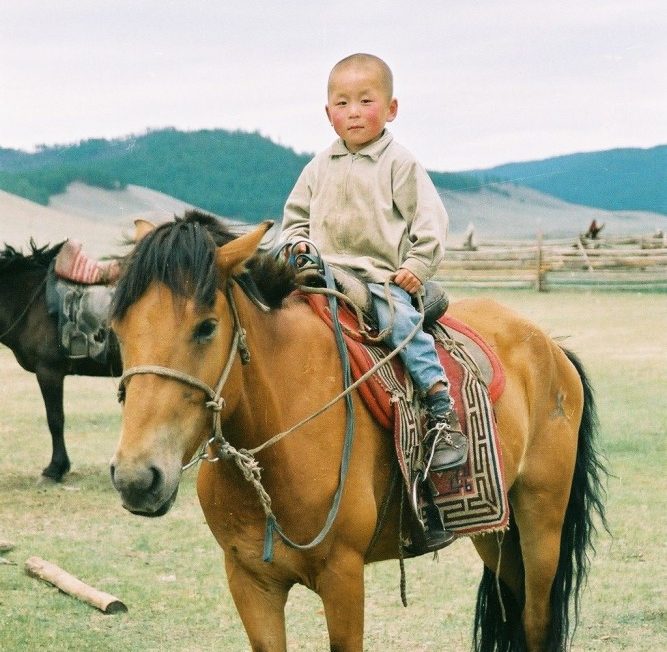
{"x":169,"y":571}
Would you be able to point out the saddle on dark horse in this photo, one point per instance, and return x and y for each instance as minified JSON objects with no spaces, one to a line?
{"x":79,"y":291}
{"x":472,"y":498}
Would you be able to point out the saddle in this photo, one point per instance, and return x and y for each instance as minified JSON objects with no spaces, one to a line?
{"x":355,"y":292}
{"x":81,"y":311}
{"x":470,"y":499}
{"x":74,"y":265}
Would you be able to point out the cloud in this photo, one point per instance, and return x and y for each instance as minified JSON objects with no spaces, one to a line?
{"x":476,"y":82}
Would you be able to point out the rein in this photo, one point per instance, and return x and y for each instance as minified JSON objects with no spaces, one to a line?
{"x":244,"y":458}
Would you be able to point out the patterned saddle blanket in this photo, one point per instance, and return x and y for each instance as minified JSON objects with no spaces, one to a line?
{"x":471,"y":499}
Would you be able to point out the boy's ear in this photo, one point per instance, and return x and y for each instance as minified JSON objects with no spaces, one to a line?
{"x":326,"y":110}
{"x":393,"y":109}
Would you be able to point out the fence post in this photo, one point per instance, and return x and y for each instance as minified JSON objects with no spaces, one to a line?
{"x":540,"y":271}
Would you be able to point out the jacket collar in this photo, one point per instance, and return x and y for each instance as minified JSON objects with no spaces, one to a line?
{"x":373,"y":151}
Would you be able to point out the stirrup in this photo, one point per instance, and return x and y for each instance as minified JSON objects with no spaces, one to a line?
{"x":433,"y":536}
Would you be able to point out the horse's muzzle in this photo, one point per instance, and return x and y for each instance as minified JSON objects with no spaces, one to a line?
{"x":143,"y":491}
{"x":160,"y":511}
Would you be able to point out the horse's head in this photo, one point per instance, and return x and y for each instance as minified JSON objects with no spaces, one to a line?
{"x":172,"y":317}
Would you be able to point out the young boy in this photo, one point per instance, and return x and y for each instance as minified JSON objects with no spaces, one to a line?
{"x":369,"y":206}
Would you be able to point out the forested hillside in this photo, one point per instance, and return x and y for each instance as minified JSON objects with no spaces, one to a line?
{"x":619,"y":179}
{"x":236,"y":174}
{"x":247,"y":176}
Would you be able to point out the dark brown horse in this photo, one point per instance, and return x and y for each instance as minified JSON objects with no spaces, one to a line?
{"x":32,"y":334}
{"x":183,"y":318}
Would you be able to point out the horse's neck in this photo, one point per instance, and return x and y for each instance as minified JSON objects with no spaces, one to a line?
{"x":17,"y":296}
{"x":293,"y":371}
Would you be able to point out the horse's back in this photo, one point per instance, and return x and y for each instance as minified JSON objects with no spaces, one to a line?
{"x":521,"y":345}
{"x":543,"y":397}
{"x":498,"y":325}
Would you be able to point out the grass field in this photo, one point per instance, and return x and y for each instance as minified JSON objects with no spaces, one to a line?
{"x":168,"y":571}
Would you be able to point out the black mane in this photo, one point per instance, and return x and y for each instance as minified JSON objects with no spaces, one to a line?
{"x":181,"y":255}
{"x":13,"y":260}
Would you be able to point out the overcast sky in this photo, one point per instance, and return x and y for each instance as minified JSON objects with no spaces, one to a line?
{"x":479,"y":82}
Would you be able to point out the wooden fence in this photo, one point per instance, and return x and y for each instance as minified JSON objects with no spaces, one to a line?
{"x":627,"y":263}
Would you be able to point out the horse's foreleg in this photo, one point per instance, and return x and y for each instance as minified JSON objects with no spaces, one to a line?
{"x":261,"y":605}
{"x":51,"y":386}
{"x":341,"y":587}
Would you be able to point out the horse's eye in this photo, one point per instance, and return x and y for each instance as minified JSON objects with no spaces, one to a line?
{"x":205,"y":330}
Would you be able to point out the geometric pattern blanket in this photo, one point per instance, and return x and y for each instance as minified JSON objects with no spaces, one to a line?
{"x":472,"y":498}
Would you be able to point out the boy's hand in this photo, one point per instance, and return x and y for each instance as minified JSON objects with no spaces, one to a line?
{"x":407,"y":281}
{"x":295,"y":250}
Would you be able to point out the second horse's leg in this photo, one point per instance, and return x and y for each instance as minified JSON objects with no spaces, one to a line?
{"x":51,"y":386}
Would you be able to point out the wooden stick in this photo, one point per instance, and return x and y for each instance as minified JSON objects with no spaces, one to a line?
{"x":44,"y":570}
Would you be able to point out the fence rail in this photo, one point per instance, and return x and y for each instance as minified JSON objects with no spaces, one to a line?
{"x":628,"y":262}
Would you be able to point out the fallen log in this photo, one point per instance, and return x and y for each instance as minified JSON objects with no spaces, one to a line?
{"x":61,"y":579}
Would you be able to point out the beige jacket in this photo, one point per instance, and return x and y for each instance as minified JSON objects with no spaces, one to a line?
{"x":373,"y":211}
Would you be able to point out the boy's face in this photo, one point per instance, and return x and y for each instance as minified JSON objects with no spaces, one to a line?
{"x":358,"y":105}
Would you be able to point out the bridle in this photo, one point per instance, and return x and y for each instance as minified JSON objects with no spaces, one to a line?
{"x":215,"y":402}
{"x":244,"y":459}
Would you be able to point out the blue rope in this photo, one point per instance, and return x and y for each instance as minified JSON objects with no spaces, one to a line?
{"x":271,"y":523}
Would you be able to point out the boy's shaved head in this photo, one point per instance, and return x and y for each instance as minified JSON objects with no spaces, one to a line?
{"x":366,"y":61}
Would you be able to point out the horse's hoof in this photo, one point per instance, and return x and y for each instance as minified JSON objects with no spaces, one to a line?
{"x":53,"y":473}
{"x":47,"y":481}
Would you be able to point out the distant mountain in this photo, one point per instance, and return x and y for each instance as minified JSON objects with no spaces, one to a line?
{"x":235,"y":174}
{"x":245,"y":176}
{"x":231,"y":173}
{"x":619,"y":179}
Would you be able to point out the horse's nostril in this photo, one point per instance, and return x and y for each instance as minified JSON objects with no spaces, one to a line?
{"x":157,"y":479}
{"x":134,"y":483}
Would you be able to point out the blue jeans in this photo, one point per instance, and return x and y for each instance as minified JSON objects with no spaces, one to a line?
{"x":419,"y":356}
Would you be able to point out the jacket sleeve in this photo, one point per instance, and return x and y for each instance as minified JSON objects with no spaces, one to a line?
{"x":418,"y":201}
{"x":296,"y":214}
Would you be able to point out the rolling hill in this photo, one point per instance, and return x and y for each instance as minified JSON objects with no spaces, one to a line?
{"x":103,"y":219}
{"x":22,"y":220}
{"x":628,"y":179}
{"x":246,"y":177}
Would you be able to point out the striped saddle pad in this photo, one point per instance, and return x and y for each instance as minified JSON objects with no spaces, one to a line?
{"x":473,"y":498}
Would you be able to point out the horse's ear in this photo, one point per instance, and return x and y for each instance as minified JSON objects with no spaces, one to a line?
{"x":230,"y":256}
{"x":142,"y":228}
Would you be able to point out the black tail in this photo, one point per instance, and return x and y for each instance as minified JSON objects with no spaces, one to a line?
{"x":586,"y":500}
{"x":587,"y":496}
{"x":497,"y":626}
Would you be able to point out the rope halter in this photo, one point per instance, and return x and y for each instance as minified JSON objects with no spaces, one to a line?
{"x":215,"y":402}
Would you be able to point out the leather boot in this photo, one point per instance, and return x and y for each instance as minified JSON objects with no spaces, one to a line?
{"x":446,"y":444}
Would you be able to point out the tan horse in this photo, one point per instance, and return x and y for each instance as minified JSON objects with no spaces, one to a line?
{"x":177,"y":313}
